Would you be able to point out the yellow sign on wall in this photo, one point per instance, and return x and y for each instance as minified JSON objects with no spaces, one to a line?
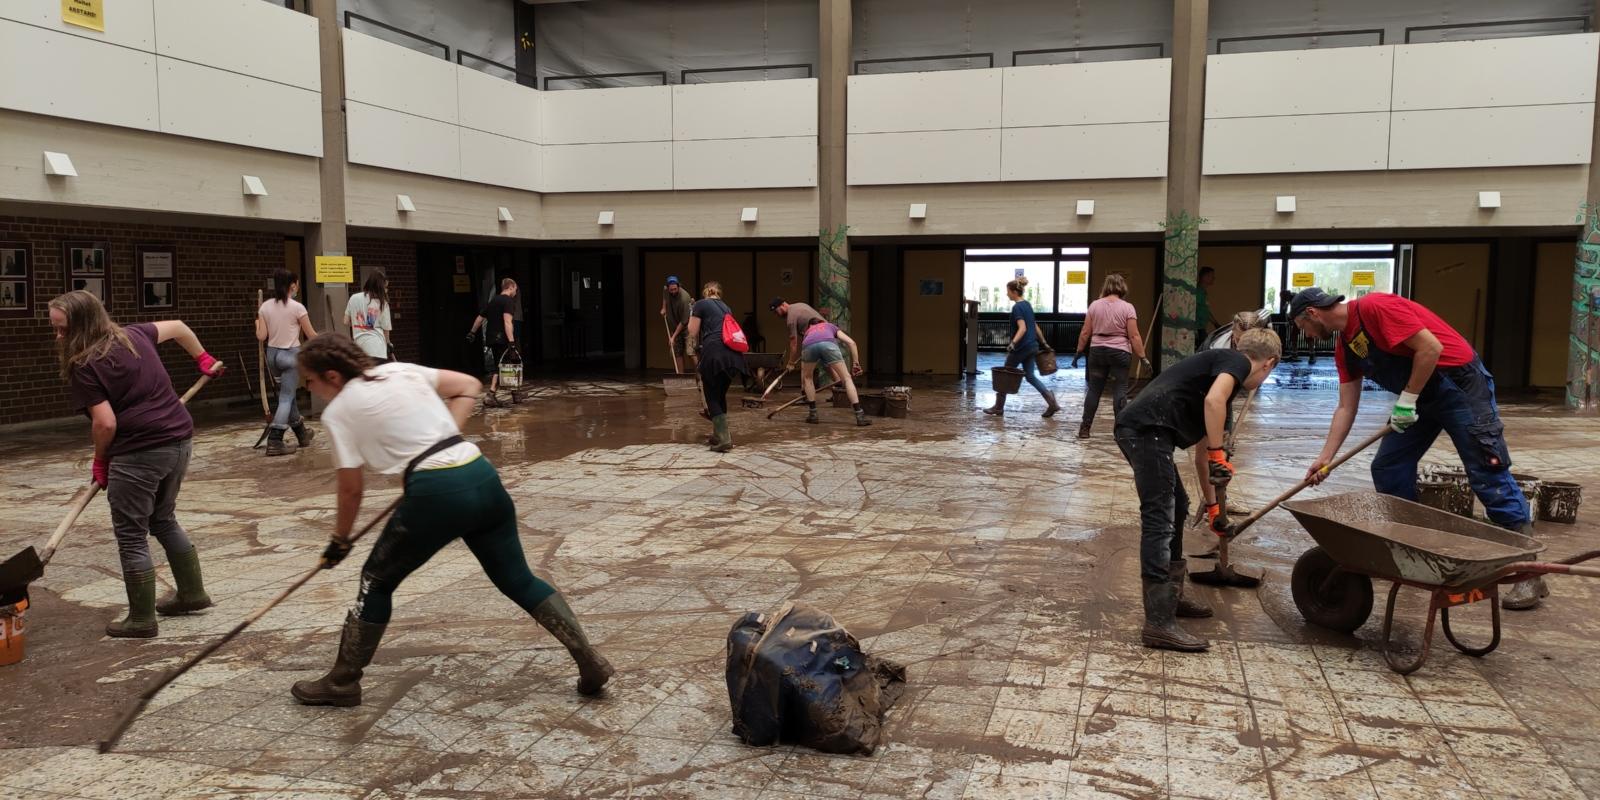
{"x":336,"y":269}
{"x":1303,"y":280}
{"x":1077,"y":276}
{"x":462,"y":283}
{"x":1364,"y":277}
{"x":85,"y":13}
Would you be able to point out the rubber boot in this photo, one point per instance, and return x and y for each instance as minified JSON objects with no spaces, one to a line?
{"x":811,"y":416}
{"x":719,"y":425}
{"x":861,"y":418}
{"x":999,"y":407}
{"x":1083,"y":429}
{"x":141,"y":620}
{"x":1160,"y":625}
{"x":1189,"y":607}
{"x":342,"y":685}
{"x":275,"y":445}
{"x":1528,"y":594}
{"x":1051,"y":409}
{"x":191,"y":594}
{"x":302,"y":434}
{"x":557,"y":618}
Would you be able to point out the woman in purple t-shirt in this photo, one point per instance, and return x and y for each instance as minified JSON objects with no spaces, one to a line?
{"x":1111,"y":335}
{"x":141,"y":434}
{"x":821,"y":344}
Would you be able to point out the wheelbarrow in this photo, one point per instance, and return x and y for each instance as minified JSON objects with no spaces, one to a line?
{"x":1456,"y":560}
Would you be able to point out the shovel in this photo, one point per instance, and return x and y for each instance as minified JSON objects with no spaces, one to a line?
{"x":761,"y":401}
{"x":28,"y":566}
{"x":802,"y":396}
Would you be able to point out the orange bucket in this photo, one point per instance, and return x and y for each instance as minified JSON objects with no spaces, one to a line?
{"x":13,"y":633}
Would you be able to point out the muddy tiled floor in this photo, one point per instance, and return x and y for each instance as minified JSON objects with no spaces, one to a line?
{"x":995,"y":558}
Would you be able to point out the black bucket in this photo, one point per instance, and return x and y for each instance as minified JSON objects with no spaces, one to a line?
{"x":1446,"y":495}
{"x":897,"y":402}
{"x":1558,"y":501}
{"x":1007,"y":380}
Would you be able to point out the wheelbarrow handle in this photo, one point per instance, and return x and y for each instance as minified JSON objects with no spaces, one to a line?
{"x":1305,"y":482}
{"x":1549,"y":568}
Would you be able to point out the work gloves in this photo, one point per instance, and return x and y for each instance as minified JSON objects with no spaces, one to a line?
{"x":1216,"y":520}
{"x":1404,"y":414}
{"x":208,"y":365}
{"x":101,"y":471}
{"x":1220,"y":471}
{"x":336,"y":551}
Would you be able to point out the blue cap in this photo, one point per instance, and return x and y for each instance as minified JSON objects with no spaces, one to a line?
{"x":672,"y":279}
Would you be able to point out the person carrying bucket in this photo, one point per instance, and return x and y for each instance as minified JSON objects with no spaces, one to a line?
{"x":1022,"y":345}
{"x":499,"y":331}
{"x":280,"y":323}
{"x":406,"y":419}
{"x":1185,"y":406}
{"x":142,"y":443}
{"x":1442,"y":386}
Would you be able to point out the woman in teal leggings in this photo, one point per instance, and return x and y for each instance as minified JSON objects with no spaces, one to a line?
{"x":405,"y":418}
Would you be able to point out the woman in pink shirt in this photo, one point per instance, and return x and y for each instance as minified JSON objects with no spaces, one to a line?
{"x":1111,"y":335}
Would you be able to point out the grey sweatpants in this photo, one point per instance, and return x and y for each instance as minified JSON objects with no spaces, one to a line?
{"x":142,"y":490}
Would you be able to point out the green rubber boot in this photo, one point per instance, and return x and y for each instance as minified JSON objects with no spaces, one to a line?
{"x":191,"y":594}
{"x":141,"y":620}
{"x":557,"y":618}
{"x":719,"y":424}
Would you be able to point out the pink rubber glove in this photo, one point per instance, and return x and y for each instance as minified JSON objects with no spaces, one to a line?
{"x":208,"y":365}
{"x":102,"y":469}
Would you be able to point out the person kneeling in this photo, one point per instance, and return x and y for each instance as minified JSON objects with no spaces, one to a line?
{"x":1185,"y":405}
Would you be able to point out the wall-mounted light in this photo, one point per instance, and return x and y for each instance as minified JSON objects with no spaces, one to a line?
{"x":403,"y":204}
{"x":607,"y":218}
{"x":59,"y":164}
{"x":504,"y":214}
{"x":747,"y":214}
{"x":253,"y":187}
{"x":1285,"y":204}
{"x":1488,"y":199}
{"x":919,"y":211}
{"x":1085,"y":208}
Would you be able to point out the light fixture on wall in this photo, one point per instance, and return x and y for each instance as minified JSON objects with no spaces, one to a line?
{"x":59,"y":164}
{"x":403,"y":204}
{"x":505,"y":214}
{"x":1285,"y":204}
{"x":607,"y":218}
{"x":919,"y":211}
{"x":1488,"y":199}
{"x":253,"y":187}
{"x":1085,"y":208}
{"x":747,"y":214}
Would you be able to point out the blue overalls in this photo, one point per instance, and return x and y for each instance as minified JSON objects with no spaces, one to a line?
{"x":1456,"y":400}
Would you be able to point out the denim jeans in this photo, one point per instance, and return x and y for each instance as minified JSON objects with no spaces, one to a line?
{"x":1106,"y":363}
{"x":281,"y":360}
{"x":142,"y":491}
{"x":1163,"y":504}
{"x":1024,"y":359}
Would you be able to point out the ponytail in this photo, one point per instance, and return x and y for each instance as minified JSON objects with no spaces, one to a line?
{"x":336,"y":352}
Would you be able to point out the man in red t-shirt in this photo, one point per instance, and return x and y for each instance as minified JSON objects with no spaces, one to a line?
{"x":1442,"y":387}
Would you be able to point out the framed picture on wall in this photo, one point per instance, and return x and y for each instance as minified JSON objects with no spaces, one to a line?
{"x":16,"y":279}
{"x":157,"y":268}
{"x":89,"y":268}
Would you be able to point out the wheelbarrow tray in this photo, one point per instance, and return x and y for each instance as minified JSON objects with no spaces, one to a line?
{"x":755,"y":361}
{"x":1387,"y":537}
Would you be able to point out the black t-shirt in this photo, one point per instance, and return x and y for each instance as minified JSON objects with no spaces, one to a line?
{"x":710,"y":311}
{"x":494,"y":316}
{"x":1176,"y":399}
{"x":140,"y":393}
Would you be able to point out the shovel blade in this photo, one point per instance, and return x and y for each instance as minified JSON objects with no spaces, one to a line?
{"x":17,"y":572}
{"x":1221,"y":576}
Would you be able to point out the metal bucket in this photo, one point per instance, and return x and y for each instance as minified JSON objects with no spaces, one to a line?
{"x":1558,"y":501}
{"x":1446,"y":495}
{"x":1007,"y":380}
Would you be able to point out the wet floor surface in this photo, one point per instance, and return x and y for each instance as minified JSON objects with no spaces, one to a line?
{"x":995,"y":558}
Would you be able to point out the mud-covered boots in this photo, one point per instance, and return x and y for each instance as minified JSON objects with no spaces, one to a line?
{"x":861,"y":417}
{"x":811,"y":414}
{"x":999,"y":407}
{"x":1525,"y":595}
{"x":719,"y":428}
{"x":302,"y":434}
{"x":342,"y":685}
{"x":1052,"y":407}
{"x":191,"y":594}
{"x":1083,"y":429}
{"x":141,"y":620}
{"x":557,"y":618}
{"x":1188,"y":606}
{"x":275,"y":445}
{"x":1160,"y":624}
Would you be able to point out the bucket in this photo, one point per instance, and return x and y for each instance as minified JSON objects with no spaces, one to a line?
{"x":13,"y":633}
{"x":873,"y":404}
{"x":1007,"y":380}
{"x":1558,"y":501}
{"x":897,"y":402}
{"x":841,"y":398}
{"x":1450,"y":496}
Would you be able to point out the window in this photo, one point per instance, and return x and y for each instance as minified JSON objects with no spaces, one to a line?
{"x":986,"y":282}
{"x":1074,"y":297}
{"x":1011,"y":251}
{"x":1352,"y":270}
{"x":1273,"y":296}
{"x":1338,"y":248}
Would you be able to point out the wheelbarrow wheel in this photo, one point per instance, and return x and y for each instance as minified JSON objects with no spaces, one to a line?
{"x":1327,"y":596}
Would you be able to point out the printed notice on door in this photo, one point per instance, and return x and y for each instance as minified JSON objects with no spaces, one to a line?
{"x":84,"y":13}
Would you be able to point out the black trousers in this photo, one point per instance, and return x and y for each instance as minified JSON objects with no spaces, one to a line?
{"x":1163,"y":504}
{"x":1106,"y":364}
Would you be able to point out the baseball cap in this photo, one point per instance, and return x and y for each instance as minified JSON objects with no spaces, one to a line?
{"x":1312,"y":298}
{"x":672,"y":279}
{"x":776,"y":301}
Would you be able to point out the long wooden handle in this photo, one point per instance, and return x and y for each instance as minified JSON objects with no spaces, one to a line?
{"x":802,"y":396}
{"x":677,"y":367}
{"x":774,"y":383}
{"x":1304,"y":482}
{"x":1148,"y":332}
{"x":261,"y":365}
{"x":1238,"y":422}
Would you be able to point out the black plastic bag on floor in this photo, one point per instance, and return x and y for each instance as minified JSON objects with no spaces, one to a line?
{"x":797,"y":676}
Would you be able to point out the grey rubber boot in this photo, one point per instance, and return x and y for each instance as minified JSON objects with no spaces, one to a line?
{"x":1528,"y":594}
{"x":1189,"y":607}
{"x":302,"y":434}
{"x":342,"y":685}
{"x":719,"y":424}
{"x":1160,"y":625}
{"x":811,"y":416}
{"x":191,"y":594}
{"x":557,"y":618}
{"x":1051,"y":409}
{"x":275,"y":445}
{"x":999,"y":407}
{"x":861,"y":418}
{"x":141,"y":620}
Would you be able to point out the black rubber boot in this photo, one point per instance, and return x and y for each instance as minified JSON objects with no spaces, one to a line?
{"x":811,"y":415}
{"x":557,"y":618}
{"x":342,"y":685}
{"x":861,"y":418}
{"x":1083,"y":429}
{"x":1188,"y":607}
{"x":141,"y":620}
{"x":275,"y":445}
{"x":1528,"y":594}
{"x":719,"y":425}
{"x":1161,"y":629}
{"x":191,"y":594}
{"x":1051,"y":409}
{"x":302,"y":434}
{"x":999,"y":407}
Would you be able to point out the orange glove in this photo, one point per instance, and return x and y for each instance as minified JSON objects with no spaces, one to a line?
{"x":1216,"y":520}
{"x":1221,"y":471}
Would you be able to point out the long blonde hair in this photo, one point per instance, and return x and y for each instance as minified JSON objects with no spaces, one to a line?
{"x":90,"y":332}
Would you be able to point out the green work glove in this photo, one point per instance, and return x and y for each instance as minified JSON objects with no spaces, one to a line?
{"x":1404,"y":414}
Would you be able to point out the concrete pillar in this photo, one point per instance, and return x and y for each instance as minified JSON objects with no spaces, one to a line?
{"x":1181,"y":242}
{"x":1583,"y":345}
{"x":833,"y":241}
{"x":328,"y":238}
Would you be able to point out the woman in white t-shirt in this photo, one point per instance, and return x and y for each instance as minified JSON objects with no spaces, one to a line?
{"x":367,"y":316}
{"x":406,"y":418}
{"x":280,"y":322}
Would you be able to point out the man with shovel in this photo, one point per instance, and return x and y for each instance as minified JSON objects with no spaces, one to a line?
{"x":675,"y":307}
{"x":1185,"y":405}
{"x":1442,"y":386}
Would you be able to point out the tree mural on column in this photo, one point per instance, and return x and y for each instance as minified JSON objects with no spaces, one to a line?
{"x":1180,"y":267}
{"x":1583,"y":349}
{"x":833,"y":273}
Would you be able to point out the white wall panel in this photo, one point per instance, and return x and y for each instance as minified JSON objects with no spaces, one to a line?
{"x":378,"y":73}
{"x":499,"y":161}
{"x":1079,"y":152}
{"x":222,"y":106}
{"x":70,"y":76}
{"x":1492,"y":137}
{"x":498,"y":106}
{"x":245,"y":36}
{"x":1086,"y":94}
{"x":586,"y":116}
{"x":744,"y":109}
{"x":1338,"y":80}
{"x":129,"y":23}
{"x":610,"y":167}
{"x":744,"y":163}
{"x":963,"y":99}
{"x":1317,"y":143}
{"x":380,"y":137}
{"x":924,"y":157}
{"x":1534,"y":70}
